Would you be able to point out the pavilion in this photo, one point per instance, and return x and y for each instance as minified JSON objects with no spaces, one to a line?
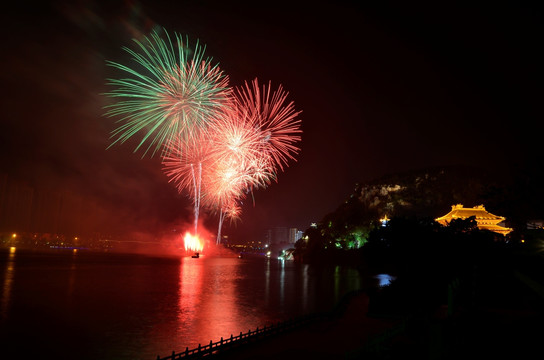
{"x":484,"y":219}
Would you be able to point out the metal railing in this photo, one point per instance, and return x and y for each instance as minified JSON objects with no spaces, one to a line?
{"x":244,"y":338}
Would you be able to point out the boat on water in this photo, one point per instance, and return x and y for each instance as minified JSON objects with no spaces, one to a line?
{"x":196,"y":255}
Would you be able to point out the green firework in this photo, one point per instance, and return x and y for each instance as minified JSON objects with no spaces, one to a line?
{"x":171,"y":90}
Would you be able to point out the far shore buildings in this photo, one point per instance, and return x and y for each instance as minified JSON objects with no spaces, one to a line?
{"x":281,"y":239}
{"x":484,"y":219}
{"x":282,"y":235}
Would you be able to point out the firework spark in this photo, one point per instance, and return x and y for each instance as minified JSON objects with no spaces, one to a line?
{"x":276,"y":119}
{"x":172,"y":90}
{"x":237,"y":165}
{"x":238,"y":159}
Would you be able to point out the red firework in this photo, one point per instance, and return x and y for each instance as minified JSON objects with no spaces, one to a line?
{"x":182,"y":159}
{"x":275,"y":118}
{"x":239,"y":152}
{"x":238,"y":148}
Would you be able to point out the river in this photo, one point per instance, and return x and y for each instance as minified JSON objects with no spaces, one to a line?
{"x":87,"y":305}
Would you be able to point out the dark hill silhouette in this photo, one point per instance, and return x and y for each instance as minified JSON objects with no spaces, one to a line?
{"x":431,"y":193}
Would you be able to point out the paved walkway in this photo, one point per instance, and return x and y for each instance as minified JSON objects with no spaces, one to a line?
{"x":489,"y":333}
{"x":334,"y":337}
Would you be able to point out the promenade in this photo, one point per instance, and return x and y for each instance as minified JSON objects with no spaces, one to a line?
{"x":351,"y":333}
{"x":341,"y":335}
{"x":502,"y":319}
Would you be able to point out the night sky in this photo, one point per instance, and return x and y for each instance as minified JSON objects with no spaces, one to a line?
{"x":382,"y":89}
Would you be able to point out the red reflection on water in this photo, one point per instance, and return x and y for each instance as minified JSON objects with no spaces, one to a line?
{"x":208,"y":301}
{"x":8,"y":280}
{"x":190,"y":287}
{"x":221,"y":303}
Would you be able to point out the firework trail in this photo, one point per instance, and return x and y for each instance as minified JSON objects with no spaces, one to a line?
{"x":172,"y":90}
{"x":230,"y":211}
{"x":182,"y":162}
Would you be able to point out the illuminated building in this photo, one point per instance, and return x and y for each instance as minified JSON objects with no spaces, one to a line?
{"x":484,"y":219}
{"x":384,"y":220}
{"x":535,"y":224}
{"x":277,"y":235}
{"x":294,"y":235}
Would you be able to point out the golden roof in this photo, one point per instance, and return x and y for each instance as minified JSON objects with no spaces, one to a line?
{"x":484,"y":219}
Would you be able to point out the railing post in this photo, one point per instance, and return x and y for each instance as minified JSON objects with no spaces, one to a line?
{"x":277,"y":328}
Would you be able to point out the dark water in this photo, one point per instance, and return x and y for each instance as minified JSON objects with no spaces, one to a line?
{"x":85,"y":305}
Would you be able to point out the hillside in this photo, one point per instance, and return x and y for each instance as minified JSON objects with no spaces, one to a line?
{"x":430,"y":193}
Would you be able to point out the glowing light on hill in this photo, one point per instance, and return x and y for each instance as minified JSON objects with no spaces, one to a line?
{"x":192,"y":242}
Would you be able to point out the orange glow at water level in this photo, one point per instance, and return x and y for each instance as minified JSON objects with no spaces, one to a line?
{"x":192,"y":242}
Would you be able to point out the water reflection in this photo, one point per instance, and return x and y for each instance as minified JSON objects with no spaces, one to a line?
{"x":8,"y":282}
{"x":72,"y":277}
{"x":384,"y":279}
{"x":208,"y":300}
{"x":282,"y":283}
{"x":305,"y":288}
{"x":190,"y":282}
{"x":218,"y":297}
{"x":218,"y":307}
{"x":345,"y":279}
{"x":125,"y":307}
{"x":267,"y":283}
{"x":336,"y":283}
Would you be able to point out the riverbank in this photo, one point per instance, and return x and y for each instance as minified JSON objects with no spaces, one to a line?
{"x":336,"y":335}
{"x":352,"y":331}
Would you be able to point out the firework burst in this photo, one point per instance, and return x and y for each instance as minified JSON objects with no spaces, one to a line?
{"x":171,"y":91}
{"x":276,"y":120}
